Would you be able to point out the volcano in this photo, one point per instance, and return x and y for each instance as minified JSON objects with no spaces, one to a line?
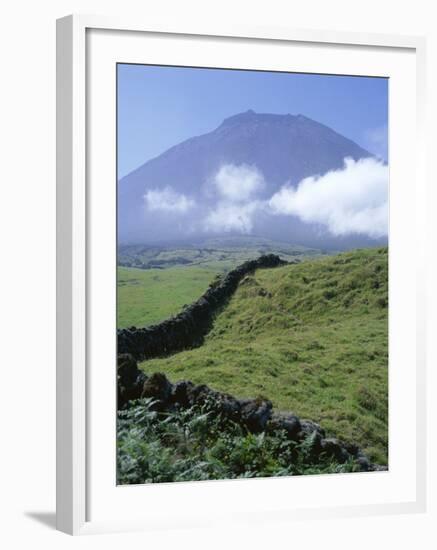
{"x":168,"y":197}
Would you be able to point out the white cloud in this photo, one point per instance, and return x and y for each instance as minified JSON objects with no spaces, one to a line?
{"x":353,"y":199}
{"x":167,"y":200}
{"x":236,"y":188}
{"x":237,"y":184}
{"x":229,"y":217}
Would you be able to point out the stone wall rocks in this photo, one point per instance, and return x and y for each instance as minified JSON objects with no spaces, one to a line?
{"x":130,"y":380}
{"x":188,"y":328}
{"x":159,"y":389}
{"x":254,"y":415}
{"x":288,"y":422}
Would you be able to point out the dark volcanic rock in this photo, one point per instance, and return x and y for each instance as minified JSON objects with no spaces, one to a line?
{"x":314,"y":442}
{"x":159,"y":388}
{"x":181,"y":393}
{"x":334,"y":449}
{"x":255,"y":414}
{"x":127,"y":369}
{"x":288,"y":422}
{"x":352,"y":449}
{"x":308,"y":427}
{"x":130,"y":380}
{"x":221,"y":404}
{"x":364,"y":463}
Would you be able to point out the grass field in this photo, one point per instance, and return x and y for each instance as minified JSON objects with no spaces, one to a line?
{"x":311,"y":337}
{"x":155,"y":282}
{"x":149,"y":296}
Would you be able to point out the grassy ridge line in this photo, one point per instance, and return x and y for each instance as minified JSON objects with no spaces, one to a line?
{"x":313,"y":338}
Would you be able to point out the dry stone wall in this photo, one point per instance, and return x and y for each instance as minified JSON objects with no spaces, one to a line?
{"x":188,"y":328}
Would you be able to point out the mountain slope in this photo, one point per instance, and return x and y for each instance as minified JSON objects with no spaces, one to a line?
{"x":311,"y":337}
{"x":283,"y":148}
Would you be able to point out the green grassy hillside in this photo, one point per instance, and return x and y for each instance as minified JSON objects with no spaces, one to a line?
{"x":311,"y":337}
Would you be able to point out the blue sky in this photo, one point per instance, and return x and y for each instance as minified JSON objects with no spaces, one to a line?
{"x":159,"y":107}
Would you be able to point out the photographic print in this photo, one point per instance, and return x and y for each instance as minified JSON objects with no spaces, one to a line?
{"x":252,"y":274}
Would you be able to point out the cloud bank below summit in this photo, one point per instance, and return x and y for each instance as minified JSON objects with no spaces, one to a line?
{"x":167,"y":200}
{"x":236,"y":188}
{"x":351,"y":200}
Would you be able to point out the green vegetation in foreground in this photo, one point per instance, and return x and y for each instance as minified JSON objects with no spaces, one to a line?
{"x":311,"y":337}
{"x":148,"y":297}
{"x":194,"y":445}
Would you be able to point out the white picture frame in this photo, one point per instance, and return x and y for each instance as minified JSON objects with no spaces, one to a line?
{"x":74,"y":390}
